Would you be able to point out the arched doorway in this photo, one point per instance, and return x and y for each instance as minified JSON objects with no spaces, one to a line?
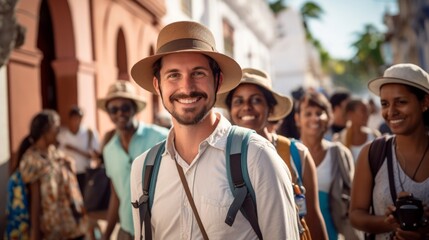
{"x":46,"y":44}
{"x":121,"y":57}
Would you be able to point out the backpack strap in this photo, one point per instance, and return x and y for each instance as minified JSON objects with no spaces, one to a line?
{"x":376,"y":155}
{"x":379,"y":149}
{"x":149,"y":175}
{"x":296,"y":160}
{"x":286,"y":148}
{"x":238,"y":177}
{"x":390,"y":170}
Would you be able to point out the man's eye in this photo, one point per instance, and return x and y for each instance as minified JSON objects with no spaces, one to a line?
{"x":198,"y":74}
{"x":173,"y":75}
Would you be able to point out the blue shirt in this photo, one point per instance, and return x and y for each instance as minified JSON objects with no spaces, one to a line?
{"x":118,"y":166}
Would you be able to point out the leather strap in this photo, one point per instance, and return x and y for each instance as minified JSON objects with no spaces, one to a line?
{"x":191,"y":200}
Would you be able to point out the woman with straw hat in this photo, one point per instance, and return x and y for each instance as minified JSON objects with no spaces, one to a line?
{"x":253,"y":104}
{"x":404,"y":98}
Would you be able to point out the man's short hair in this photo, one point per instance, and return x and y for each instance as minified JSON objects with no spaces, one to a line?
{"x":75,"y":111}
{"x":338,"y":97}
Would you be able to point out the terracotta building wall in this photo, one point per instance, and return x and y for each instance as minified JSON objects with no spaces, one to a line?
{"x":82,"y":60}
{"x":139,"y":28}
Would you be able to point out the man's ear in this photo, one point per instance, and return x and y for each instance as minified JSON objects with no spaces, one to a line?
{"x":220,"y":81}
{"x":155,"y":83}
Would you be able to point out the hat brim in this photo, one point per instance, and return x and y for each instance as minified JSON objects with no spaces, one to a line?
{"x":142,"y":71}
{"x":280,"y":110}
{"x":374,"y":85}
{"x":140,"y":102}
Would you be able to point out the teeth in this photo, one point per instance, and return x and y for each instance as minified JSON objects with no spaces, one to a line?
{"x":396,"y":121}
{"x":248,"y":118}
{"x":187,"y":100}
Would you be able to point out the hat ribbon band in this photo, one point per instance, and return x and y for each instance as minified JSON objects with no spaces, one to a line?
{"x":184,"y":44}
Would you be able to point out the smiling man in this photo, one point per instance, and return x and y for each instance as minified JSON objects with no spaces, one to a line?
{"x":187,"y":73}
{"x":131,"y":139}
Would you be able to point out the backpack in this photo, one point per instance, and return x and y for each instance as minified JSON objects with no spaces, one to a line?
{"x":17,"y":209}
{"x":237,"y":174}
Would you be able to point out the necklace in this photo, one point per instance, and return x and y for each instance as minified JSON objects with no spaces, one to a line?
{"x":420,"y":162}
{"x":405,"y":167}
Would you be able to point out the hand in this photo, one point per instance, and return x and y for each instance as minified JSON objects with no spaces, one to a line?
{"x":69,"y":163}
{"x":390,"y":218}
{"x":409,"y":235}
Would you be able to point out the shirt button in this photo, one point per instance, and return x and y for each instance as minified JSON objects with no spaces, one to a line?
{"x":185,"y":203}
{"x":185,"y":236}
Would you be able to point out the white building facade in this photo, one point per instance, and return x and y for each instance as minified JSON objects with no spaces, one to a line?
{"x":244,"y":30}
{"x":295,"y":61}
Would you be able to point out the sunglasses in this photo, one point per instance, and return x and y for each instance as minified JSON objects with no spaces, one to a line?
{"x":126,"y":108}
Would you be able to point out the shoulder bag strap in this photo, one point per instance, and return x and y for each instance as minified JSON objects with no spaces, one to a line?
{"x":90,"y":136}
{"x":191,"y":200}
{"x":342,"y":163}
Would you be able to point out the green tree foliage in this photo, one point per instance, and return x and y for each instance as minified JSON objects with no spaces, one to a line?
{"x":366,"y":63}
{"x":277,"y":6}
{"x":351,"y":73}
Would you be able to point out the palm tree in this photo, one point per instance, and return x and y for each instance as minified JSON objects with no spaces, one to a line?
{"x":277,"y":6}
{"x":368,"y":57}
{"x":309,"y":10}
{"x":364,"y":65}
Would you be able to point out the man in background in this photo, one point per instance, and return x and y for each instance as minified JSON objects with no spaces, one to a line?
{"x":79,"y":142}
{"x":132,"y":138}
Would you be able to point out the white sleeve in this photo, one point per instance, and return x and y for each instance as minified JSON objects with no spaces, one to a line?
{"x":271,"y":181}
{"x":95,"y":141}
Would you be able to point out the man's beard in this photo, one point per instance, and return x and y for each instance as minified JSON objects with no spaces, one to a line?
{"x":184,"y":120}
{"x":192,"y":119}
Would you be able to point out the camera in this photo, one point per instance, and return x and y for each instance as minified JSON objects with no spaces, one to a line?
{"x":409,"y":212}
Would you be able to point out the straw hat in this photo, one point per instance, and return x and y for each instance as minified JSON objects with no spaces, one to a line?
{"x":122,"y":89}
{"x":404,"y":73}
{"x":260,"y":78}
{"x":183,"y":37}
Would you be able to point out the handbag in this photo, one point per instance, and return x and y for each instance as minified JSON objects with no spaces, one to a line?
{"x":97,"y":189}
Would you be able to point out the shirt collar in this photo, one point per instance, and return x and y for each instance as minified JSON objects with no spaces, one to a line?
{"x":217,"y":138}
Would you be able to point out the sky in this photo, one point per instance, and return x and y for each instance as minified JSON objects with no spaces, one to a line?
{"x":343,"y":19}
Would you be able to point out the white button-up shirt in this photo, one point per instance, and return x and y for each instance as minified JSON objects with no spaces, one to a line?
{"x":172,"y":216}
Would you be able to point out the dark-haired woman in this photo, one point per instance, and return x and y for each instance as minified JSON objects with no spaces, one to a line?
{"x":313,"y":117}
{"x":56,"y":210}
{"x":404,"y":98}
{"x":252,"y":104}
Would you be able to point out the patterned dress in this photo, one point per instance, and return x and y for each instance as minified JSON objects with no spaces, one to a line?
{"x":61,"y":201}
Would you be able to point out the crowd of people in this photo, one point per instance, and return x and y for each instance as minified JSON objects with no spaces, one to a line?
{"x":358,"y":181}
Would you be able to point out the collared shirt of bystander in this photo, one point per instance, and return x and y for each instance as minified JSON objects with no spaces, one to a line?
{"x":172,"y":216}
{"x":118,"y":165}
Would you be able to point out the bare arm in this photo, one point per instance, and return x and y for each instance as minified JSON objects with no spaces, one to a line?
{"x":314,"y":218}
{"x":35,"y":210}
{"x":112,"y":213}
{"x":361,"y":196}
